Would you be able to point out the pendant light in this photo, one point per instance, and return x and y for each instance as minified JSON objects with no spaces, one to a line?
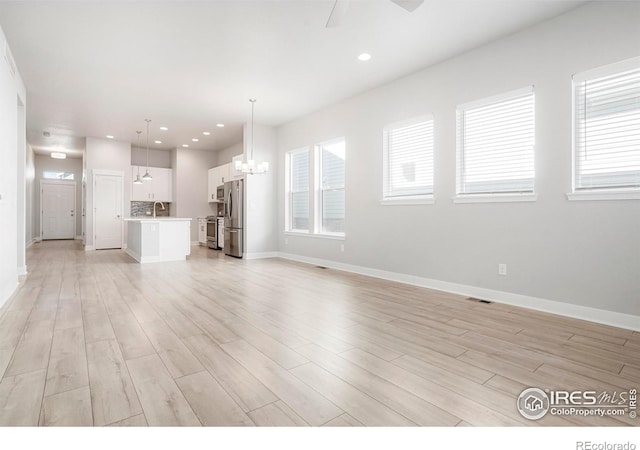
{"x":250,"y":167}
{"x":138,"y":180}
{"x":147,"y":175}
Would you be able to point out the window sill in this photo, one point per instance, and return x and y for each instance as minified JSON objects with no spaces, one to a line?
{"x":337,"y":237}
{"x":495,"y":198}
{"x":409,"y":200}
{"x":626,"y":194}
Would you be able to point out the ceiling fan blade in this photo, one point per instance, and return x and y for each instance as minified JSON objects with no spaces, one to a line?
{"x":409,"y":5}
{"x":338,"y":12}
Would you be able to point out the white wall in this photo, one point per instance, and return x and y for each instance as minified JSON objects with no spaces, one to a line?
{"x":12,"y":136}
{"x":21,"y":185}
{"x":191,"y":184}
{"x":576,"y":253}
{"x":157,"y":158}
{"x":30,"y":212}
{"x":46,"y":163}
{"x":226,"y":156}
{"x":106,"y":154}
{"x":261,"y":232}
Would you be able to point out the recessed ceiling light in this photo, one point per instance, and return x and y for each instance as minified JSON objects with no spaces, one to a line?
{"x":58,"y":155}
{"x":195,"y":140}
{"x":185,"y":145}
{"x":158,"y":142}
{"x":220,"y":125}
{"x":108,"y":136}
{"x":206,"y":133}
{"x":364,"y":56}
{"x":164,"y":128}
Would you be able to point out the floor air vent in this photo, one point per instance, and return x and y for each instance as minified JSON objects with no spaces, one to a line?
{"x":479,"y":300}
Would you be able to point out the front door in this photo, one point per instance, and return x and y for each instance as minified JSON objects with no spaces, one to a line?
{"x":107,"y":204}
{"x":58,"y":209}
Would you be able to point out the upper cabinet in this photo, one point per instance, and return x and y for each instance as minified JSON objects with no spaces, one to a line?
{"x":212,"y":185}
{"x":233,"y":173}
{"x":159,"y":189}
{"x":217,"y":176}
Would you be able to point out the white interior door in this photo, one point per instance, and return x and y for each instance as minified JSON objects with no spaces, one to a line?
{"x":58,"y":209}
{"x":107,"y":204}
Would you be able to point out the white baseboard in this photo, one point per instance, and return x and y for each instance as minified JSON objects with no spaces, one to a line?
{"x":89,"y":248}
{"x":602,"y":316}
{"x":261,"y":255}
{"x":78,"y":238}
{"x":22,"y":271}
{"x":31,"y":242}
{"x":196,"y":243}
{"x":7,"y":291}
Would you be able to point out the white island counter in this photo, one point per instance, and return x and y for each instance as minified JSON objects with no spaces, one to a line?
{"x":158,"y":239}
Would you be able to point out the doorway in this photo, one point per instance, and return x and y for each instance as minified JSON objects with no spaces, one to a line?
{"x":107,"y":209}
{"x":57,"y":209}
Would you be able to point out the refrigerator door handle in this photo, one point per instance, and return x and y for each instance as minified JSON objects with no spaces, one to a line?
{"x":230,"y":205}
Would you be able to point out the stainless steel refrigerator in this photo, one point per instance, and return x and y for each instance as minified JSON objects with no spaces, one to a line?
{"x":234,"y":218}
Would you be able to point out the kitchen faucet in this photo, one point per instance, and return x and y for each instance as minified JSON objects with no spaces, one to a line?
{"x":154,"y":208}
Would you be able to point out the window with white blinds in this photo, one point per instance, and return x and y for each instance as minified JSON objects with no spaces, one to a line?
{"x":298,"y":192}
{"x":606,"y":127}
{"x":408,"y":158}
{"x":330,"y":195}
{"x":496,"y":138}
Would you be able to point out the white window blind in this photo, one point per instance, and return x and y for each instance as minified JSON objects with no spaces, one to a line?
{"x":607,"y":127}
{"x":299,"y":190}
{"x":496,"y":138}
{"x":408,"y":158}
{"x":331,"y":193}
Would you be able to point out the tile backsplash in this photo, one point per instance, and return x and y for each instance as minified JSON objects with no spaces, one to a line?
{"x":142,"y":208}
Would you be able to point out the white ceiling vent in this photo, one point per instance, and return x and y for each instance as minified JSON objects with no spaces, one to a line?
{"x":9,"y":59}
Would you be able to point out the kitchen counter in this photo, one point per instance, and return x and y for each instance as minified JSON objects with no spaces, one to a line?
{"x":156,"y":219}
{"x":157,"y":239}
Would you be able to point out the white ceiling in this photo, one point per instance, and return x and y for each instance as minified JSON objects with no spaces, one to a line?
{"x":97,"y":68}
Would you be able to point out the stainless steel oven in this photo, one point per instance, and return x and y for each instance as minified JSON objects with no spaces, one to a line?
{"x":212,"y":232}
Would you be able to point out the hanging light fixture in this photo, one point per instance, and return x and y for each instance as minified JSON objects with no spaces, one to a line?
{"x":147,"y":175}
{"x":138,"y":180}
{"x":250,"y":167}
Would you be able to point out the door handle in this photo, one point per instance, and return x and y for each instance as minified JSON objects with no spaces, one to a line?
{"x":233,"y":231}
{"x":118,"y":216}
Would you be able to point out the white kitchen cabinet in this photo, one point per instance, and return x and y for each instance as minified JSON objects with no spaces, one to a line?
{"x":202,"y":231}
{"x":158,"y":189}
{"x":217,"y":176}
{"x":212,"y":184}
{"x":236,"y":174}
{"x":225,"y":173}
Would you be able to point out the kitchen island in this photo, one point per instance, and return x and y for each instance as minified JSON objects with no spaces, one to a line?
{"x":156,"y":239}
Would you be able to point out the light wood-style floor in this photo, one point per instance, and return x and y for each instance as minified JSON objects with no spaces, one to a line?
{"x":96,"y":339}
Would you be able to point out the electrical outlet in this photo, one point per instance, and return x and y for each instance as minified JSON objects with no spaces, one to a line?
{"x":341,"y":247}
{"x":502,"y":269}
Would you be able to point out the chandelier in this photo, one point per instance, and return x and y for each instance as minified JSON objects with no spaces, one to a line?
{"x":251,"y":167}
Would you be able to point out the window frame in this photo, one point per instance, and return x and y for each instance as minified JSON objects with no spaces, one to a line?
{"x":408,"y":199}
{"x":598,"y":192}
{"x":497,"y":196}
{"x":319,"y":189}
{"x":289,"y":192}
